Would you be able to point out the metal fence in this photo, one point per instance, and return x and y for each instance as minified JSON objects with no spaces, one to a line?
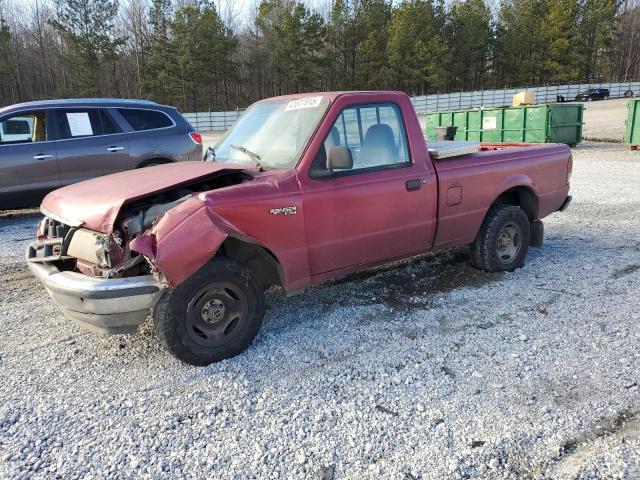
{"x":213,"y":121}
{"x":220,"y":121}
{"x":498,"y":98}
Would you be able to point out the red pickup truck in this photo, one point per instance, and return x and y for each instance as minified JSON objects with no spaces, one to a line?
{"x":303,"y":189}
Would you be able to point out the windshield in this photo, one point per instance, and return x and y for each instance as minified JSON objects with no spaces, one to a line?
{"x":272,"y":134}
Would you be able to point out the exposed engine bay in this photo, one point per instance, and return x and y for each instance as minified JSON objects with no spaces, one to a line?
{"x":108,"y":255}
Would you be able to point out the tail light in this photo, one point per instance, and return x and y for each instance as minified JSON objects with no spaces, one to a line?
{"x":196,"y":137}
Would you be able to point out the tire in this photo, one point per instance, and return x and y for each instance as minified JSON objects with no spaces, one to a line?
{"x":503,"y":240}
{"x":152,"y":163}
{"x":214,"y":314}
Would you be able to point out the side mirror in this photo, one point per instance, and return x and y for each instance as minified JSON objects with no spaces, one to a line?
{"x":339,"y":158}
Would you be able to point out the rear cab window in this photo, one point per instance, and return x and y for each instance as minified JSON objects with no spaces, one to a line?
{"x":24,"y":127}
{"x":143,"y":119}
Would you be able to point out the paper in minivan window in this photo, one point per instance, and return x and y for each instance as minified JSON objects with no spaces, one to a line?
{"x":79,"y":124}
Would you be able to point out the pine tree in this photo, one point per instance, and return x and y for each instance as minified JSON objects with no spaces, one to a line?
{"x":415,"y":47}
{"x":158,"y":83}
{"x":91,"y":46}
{"x":468,"y":37}
{"x":595,"y":33}
{"x":372,"y":69}
{"x":561,"y":62}
{"x":295,"y":39}
{"x":519,"y":49}
{"x":342,"y":40}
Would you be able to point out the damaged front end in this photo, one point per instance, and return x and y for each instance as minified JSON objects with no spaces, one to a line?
{"x":109,"y":281}
{"x":75,"y":264}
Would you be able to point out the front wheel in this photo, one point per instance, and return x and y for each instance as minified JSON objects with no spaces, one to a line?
{"x":213,"y":315}
{"x":503,"y":239}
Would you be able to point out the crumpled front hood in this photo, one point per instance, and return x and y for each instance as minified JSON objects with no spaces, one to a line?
{"x":95,"y":203}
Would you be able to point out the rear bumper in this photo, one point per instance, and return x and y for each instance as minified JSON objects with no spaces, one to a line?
{"x":108,"y":306}
{"x":565,"y":204}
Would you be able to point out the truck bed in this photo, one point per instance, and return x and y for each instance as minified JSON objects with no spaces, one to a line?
{"x":442,"y":149}
{"x":469,"y":183}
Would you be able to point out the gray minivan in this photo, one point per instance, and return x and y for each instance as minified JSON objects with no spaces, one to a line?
{"x":46,"y":145}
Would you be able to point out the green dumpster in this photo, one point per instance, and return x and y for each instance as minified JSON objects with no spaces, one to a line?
{"x":632,"y":131}
{"x":550,"y":123}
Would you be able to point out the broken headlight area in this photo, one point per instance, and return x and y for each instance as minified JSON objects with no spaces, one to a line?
{"x":99,"y":249}
{"x":89,"y":252}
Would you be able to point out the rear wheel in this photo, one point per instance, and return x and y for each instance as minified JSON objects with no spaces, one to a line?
{"x":213,"y":315}
{"x":503,"y":240}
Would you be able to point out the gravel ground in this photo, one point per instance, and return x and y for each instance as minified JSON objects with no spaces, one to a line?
{"x":426,"y":370}
{"x":209,"y":139}
{"x":604,"y":119}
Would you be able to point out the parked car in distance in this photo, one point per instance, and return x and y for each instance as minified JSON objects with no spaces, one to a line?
{"x":303,"y":189}
{"x":49,"y":144}
{"x":592,"y":94}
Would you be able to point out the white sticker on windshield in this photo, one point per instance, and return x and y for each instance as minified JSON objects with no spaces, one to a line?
{"x":308,"y":102}
{"x":79,"y":124}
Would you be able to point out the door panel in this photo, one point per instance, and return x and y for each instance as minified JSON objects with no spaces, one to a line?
{"x":367,"y":218}
{"x":87,"y":146}
{"x":28,"y":163}
{"x":381,"y":208}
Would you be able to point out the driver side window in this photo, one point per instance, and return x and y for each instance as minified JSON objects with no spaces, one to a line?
{"x":24,"y":127}
{"x":373,"y":133}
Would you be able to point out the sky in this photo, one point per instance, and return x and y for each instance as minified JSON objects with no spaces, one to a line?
{"x":241,"y":12}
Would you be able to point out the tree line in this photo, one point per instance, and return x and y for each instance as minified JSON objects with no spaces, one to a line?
{"x":205,"y":55}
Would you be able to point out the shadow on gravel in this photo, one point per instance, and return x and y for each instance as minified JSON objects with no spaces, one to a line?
{"x":431,"y":276}
{"x":19,"y":214}
{"x":404,"y":285}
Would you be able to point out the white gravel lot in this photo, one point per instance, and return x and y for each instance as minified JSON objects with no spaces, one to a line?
{"x":428,"y":370}
{"x":604,"y":119}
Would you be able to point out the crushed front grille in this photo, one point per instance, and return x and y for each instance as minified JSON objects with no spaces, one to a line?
{"x":53,"y":240}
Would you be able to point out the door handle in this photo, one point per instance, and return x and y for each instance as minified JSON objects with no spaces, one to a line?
{"x":413,"y":185}
{"x":42,"y":156}
{"x":114,"y":149}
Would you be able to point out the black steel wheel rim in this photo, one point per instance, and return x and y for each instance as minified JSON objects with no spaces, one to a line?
{"x":216,"y":313}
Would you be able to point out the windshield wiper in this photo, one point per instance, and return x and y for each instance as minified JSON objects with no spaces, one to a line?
{"x":254,"y":156}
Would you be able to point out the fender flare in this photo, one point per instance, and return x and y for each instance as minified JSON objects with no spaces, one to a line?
{"x":184,"y":239}
{"x":519,"y":182}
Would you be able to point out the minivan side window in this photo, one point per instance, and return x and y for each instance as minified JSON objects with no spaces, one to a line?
{"x":24,"y":127}
{"x":109,"y":126}
{"x":89,"y":122}
{"x":74,"y":123}
{"x":141,"y":119}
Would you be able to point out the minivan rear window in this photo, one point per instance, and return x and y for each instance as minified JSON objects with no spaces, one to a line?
{"x":140,"y":119}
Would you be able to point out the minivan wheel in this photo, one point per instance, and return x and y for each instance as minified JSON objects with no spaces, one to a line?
{"x":503,"y":240}
{"x":213,"y":315}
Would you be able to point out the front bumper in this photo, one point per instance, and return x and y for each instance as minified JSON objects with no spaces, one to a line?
{"x":117,"y":305}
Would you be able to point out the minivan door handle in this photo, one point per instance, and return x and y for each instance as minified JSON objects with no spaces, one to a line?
{"x":42,"y":156}
{"x":114,"y":149}
{"x":413,"y":185}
